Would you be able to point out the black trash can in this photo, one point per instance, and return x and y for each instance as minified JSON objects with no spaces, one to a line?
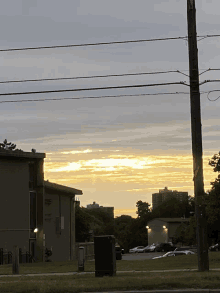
{"x":118,"y":252}
{"x":105,"y":257}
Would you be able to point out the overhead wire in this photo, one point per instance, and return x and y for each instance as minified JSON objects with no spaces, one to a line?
{"x":108,"y":96}
{"x":91,"y":44}
{"x":212,"y":92}
{"x":209,"y":80}
{"x":93,"y":97}
{"x":93,"y":89}
{"x":99,"y":97}
{"x":104,"y":43}
{"x":92,"y":76}
{"x":105,"y":76}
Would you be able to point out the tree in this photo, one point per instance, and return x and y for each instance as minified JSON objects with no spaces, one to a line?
{"x":212,"y":201}
{"x":173,"y":208}
{"x":143,"y":209}
{"x":7,"y":145}
{"x":180,"y":234}
{"x":124,"y":226}
{"x":186,"y":233}
{"x":215,"y":162}
{"x":82,"y":224}
{"x":102,"y":223}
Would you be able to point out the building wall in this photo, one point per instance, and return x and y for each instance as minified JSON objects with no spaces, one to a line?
{"x":156,"y":232}
{"x":57,"y":237}
{"x":14,"y":203}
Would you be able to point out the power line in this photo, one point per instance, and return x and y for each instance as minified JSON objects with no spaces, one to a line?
{"x":91,"y":44}
{"x":212,"y":92}
{"x":207,"y":36}
{"x":104,"y":76}
{"x":209,"y":80}
{"x":92,"y":76}
{"x":210,"y":69}
{"x":108,"y":75}
{"x":93,"y":89}
{"x":100,"y":97}
{"x":94,"y":97}
{"x":104,"y":43}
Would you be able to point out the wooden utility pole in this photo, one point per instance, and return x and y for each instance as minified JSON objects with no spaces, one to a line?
{"x":201,"y":228}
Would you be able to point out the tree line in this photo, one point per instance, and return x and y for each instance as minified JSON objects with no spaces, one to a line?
{"x":130,"y":232}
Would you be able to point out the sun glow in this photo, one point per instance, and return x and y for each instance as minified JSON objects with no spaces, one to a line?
{"x":125,"y":177}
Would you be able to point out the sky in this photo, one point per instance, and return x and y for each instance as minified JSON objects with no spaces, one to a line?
{"x":117,"y":150}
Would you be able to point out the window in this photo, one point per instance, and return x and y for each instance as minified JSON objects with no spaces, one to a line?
{"x":62,"y":223}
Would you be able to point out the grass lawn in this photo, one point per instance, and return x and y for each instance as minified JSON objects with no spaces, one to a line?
{"x":168,"y":263}
{"x":122,"y":281}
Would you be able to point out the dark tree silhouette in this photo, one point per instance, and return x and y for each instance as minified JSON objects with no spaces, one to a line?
{"x":143,"y":208}
{"x":7,"y":145}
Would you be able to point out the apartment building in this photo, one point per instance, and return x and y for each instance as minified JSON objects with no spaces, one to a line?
{"x":165,"y":194}
{"x":35,"y":214}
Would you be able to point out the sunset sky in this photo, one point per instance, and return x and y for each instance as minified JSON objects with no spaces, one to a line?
{"x":117,"y":150}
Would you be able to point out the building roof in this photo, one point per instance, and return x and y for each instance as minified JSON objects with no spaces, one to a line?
{"x":171,"y":220}
{"x":21,"y":155}
{"x":61,"y":188}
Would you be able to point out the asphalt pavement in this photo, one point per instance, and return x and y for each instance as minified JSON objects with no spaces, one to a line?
{"x":139,"y":256}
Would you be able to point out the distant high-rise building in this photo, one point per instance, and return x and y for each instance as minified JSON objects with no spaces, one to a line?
{"x":108,"y":210}
{"x":165,"y":194}
{"x":92,"y":206}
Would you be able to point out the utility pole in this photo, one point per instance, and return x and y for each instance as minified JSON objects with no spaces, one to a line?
{"x":201,"y":228}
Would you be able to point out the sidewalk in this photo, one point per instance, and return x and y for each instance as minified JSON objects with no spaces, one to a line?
{"x":117,"y":272}
{"x":166,"y":291}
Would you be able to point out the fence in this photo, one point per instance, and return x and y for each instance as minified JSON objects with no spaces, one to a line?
{"x":6,"y":257}
{"x":89,"y":250}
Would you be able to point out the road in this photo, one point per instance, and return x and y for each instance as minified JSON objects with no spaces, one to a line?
{"x":140,"y":256}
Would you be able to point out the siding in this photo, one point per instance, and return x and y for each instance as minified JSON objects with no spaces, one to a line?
{"x":14,"y":203}
{"x":60,"y":242}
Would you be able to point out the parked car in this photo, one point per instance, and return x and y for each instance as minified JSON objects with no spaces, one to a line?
{"x":140,"y":249}
{"x":175,"y":253}
{"x":135,"y":249}
{"x":150,"y":248}
{"x":215,"y":247}
{"x":164,"y":247}
{"x":144,"y":249}
{"x":191,"y":248}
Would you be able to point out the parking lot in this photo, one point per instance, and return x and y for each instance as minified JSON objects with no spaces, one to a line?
{"x":140,"y":256}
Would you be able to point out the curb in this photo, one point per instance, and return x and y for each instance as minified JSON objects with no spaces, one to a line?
{"x":117,"y":272}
